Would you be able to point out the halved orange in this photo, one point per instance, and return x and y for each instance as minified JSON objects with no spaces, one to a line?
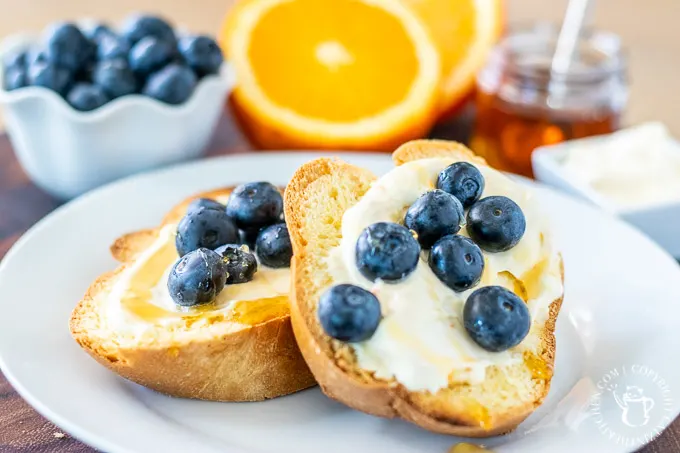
{"x":464,"y":32}
{"x":340,"y":74}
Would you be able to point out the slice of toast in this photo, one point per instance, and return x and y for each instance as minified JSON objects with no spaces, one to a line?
{"x":316,"y":199}
{"x":222,"y":361}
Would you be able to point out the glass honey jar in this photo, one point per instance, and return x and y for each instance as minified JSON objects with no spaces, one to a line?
{"x":521,"y":103}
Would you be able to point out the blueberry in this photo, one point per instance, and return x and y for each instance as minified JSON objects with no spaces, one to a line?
{"x":99,"y":31}
{"x":495,"y":318}
{"x":85,"y":73}
{"x":86,"y":97}
{"x":115,"y":77}
{"x":89,"y":55}
{"x":386,"y":251}
{"x":349,"y":313}
{"x":15,"y":75}
{"x":207,"y":203}
{"x":240,"y":264}
{"x":138,"y":27}
{"x":496,"y":223}
{"x":249,"y":236}
{"x":273,"y":247}
{"x":15,"y":60}
{"x":15,"y":78}
{"x":463,"y":181}
{"x":433,"y":215}
{"x":255,"y":205}
{"x":207,"y":228}
{"x":48,"y":75}
{"x":457,"y":262}
{"x":149,"y":55}
{"x":197,"y":278}
{"x":66,"y":46}
{"x":35,"y":55}
{"x":111,"y":47}
{"x":201,"y":53}
{"x":173,"y":84}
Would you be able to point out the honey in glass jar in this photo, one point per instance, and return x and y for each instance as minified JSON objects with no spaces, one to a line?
{"x":522,"y":103}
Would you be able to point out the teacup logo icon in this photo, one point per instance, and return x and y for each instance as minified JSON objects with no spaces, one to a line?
{"x":631,"y":405}
{"x":635,"y":406}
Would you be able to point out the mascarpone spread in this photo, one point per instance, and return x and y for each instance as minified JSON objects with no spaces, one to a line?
{"x":421,"y":341}
{"x":633,"y":168}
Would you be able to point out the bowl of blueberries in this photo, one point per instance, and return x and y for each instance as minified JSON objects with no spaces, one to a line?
{"x":85,"y":103}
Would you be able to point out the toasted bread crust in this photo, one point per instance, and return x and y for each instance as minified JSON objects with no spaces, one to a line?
{"x":242,"y":363}
{"x":424,"y":149}
{"x":330,"y":362}
{"x":126,"y":247}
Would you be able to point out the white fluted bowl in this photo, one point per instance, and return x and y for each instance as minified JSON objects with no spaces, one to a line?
{"x":67,"y":152}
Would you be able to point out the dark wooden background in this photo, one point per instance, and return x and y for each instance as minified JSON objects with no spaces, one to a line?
{"x":22,"y":430}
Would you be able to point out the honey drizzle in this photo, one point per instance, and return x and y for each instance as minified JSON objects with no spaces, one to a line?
{"x":136,"y":298}
{"x":509,"y":281}
{"x":532,"y":278}
{"x":251,"y":312}
{"x":247,"y":312}
{"x":538,"y":368}
{"x":465,"y":447}
{"x":479,"y":413}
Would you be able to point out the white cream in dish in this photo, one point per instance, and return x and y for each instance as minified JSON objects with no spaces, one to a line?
{"x":143,"y":286}
{"x":421,"y":341}
{"x":632,"y":168}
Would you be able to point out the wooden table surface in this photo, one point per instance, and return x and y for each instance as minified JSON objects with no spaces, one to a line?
{"x":22,"y":430}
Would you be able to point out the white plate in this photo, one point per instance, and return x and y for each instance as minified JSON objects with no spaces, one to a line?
{"x":618,"y":320}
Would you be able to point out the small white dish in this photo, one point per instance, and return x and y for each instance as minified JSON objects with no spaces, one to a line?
{"x":659,"y":221}
{"x":67,"y":152}
{"x":616,"y":330}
